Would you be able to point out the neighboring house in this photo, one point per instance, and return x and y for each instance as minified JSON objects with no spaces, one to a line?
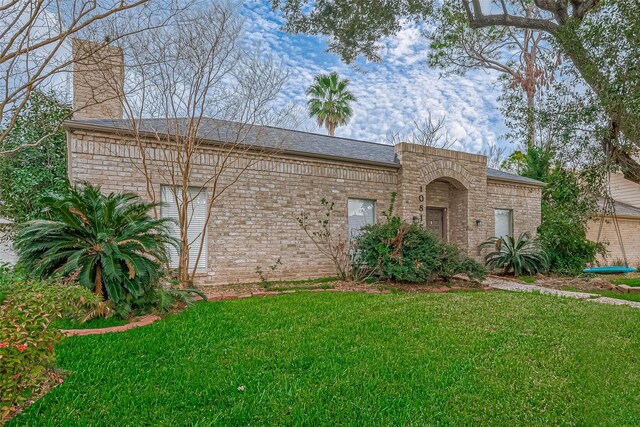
{"x":7,"y":254}
{"x":626,"y":195}
{"x":452,"y":193}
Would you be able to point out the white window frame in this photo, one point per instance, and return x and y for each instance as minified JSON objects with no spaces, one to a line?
{"x":510,"y":212}
{"x":173,"y":254}
{"x":350,"y":231}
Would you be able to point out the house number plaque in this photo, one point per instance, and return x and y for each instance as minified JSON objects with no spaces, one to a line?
{"x":421,"y":203}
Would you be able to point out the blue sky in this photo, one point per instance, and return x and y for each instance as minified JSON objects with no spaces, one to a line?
{"x":391,"y":94}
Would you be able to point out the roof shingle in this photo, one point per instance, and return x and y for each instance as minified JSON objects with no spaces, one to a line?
{"x":305,"y":143}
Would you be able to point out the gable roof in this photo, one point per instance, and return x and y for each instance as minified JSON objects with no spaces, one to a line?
{"x":287,"y":140}
{"x":621,"y":209}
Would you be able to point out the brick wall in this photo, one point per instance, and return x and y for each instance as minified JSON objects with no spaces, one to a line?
{"x":524,"y":202}
{"x":630,"y":231}
{"x":255,"y":221}
{"x":98,"y":80}
{"x":430,"y":175}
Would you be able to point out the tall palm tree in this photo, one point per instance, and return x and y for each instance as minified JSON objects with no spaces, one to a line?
{"x":111,"y":242}
{"x":329,"y":101}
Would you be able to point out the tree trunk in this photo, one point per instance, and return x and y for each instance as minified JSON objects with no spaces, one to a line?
{"x":98,"y":283}
{"x":531,"y":121}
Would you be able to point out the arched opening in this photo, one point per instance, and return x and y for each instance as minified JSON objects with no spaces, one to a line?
{"x":446,"y":210}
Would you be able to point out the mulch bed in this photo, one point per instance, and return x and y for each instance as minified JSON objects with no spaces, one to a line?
{"x":234,"y":291}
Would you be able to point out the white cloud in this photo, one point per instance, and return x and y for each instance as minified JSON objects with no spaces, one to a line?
{"x":392,"y":94}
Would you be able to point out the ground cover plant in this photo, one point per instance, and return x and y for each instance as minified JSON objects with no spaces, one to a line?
{"x":27,"y":337}
{"x":463,"y":358}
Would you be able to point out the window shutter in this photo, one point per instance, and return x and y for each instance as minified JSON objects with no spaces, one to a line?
{"x":196,"y":218}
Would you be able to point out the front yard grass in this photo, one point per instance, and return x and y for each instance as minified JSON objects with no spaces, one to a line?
{"x":459,"y":358}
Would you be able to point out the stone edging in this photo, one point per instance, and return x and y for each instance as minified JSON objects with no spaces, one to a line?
{"x":507,"y":285}
{"x":144,"y":321}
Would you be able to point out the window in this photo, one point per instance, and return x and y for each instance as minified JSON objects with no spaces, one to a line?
{"x":196,"y":218}
{"x":504,"y":222}
{"x":361,"y":213}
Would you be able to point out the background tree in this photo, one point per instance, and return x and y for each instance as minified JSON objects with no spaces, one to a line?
{"x":186,"y":74}
{"x":34,"y":38}
{"x":524,"y":57}
{"x":430,"y":133}
{"x":32,"y":172}
{"x":329,"y":101}
{"x":600,"y":40}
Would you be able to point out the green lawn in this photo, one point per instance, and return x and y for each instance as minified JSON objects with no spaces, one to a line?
{"x":625,"y":280}
{"x":460,"y":358}
{"x":91,"y":324}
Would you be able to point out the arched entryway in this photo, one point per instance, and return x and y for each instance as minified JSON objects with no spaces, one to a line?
{"x":446,"y":199}
{"x":446,"y":210}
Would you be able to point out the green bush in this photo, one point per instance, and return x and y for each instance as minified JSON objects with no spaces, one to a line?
{"x":107,"y":243}
{"x":516,"y":256}
{"x":27,"y":309}
{"x":566,"y":209}
{"x":407,"y":252}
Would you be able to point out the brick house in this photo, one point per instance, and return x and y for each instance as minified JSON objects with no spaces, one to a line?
{"x":452,"y":193}
{"x":626,"y":196}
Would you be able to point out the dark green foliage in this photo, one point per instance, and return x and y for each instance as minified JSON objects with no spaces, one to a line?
{"x":568,"y":202}
{"x":566,"y":207}
{"x":599,"y":38}
{"x":110,"y":244}
{"x":355,"y":27}
{"x":329,"y":101}
{"x":517,"y":256}
{"x":27,"y":174}
{"x":407,"y":252}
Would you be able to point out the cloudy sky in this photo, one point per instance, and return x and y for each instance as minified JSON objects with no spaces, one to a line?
{"x":390,"y":94}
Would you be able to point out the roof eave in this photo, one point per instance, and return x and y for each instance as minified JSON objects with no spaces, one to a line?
{"x":74,"y":124}
{"x":517,"y":181}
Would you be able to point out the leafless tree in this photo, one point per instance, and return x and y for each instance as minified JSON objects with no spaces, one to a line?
{"x":430,"y":133}
{"x":207,"y":94}
{"x":496,"y":156}
{"x":35,"y":49}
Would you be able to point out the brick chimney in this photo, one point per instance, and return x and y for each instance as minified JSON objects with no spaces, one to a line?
{"x":98,"y":80}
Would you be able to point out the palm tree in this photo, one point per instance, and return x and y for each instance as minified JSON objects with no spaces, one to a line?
{"x":329,"y":101}
{"x":111,"y":242}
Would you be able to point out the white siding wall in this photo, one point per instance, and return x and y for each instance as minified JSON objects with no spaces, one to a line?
{"x":624,"y":190}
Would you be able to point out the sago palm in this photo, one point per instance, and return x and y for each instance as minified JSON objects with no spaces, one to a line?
{"x":111,"y":242}
{"x":519,"y":256}
{"x":329,"y":101}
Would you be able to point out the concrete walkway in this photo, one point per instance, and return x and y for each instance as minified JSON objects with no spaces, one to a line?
{"x":508,"y":285}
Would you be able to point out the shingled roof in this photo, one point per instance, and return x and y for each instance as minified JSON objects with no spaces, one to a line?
{"x":290,"y":141}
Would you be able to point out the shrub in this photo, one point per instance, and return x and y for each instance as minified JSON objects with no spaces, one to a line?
{"x":27,"y":309}
{"x":407,"y":252}
{"x":566,"y":209}
{"x":518,"y":256}
{"x":109,"y":243}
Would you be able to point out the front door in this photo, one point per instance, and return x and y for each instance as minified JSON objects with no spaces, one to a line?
{"x":435,"y":221}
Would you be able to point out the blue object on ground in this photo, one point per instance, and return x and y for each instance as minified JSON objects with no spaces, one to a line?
{"x":614,"y":269}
